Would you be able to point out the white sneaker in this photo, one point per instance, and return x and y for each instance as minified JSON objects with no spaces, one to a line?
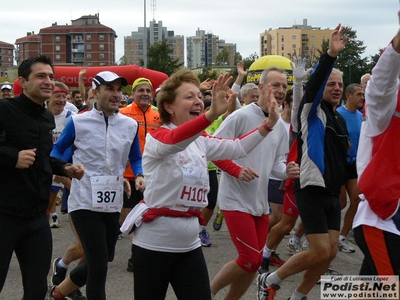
{"x":306,"y":245}
{"x":54,"y":222}
{"x":344,"y":246}
{"x":294,"y":246}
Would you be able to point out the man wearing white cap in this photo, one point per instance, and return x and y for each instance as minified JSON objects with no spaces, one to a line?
{"x":6,"y":91}
{"x":104,"y":140}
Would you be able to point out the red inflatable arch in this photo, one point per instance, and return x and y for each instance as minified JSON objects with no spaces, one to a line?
{"x":69,"y":75}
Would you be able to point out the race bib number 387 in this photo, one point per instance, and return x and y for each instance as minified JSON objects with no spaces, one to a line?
{"x":106,"y":193}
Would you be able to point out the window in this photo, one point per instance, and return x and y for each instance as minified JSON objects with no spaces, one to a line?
{"x":88,"y":46}
{"x":101,"y":47}
{"x":88,"y":37}
{"x":313,"y":37}
{"x":294,"y":46}
{"x":283,"y":38}
{"x":293,"y":37}
{"x":101,"y":56}
{"x":283,"y":47}
{"x":57,"y":38}
{"x":58,"y":56}
{"x":89,"y":56}
{"x":101,"y":37}
{"x":57,"y":47}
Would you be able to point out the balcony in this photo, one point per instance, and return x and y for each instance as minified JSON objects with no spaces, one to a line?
{"x":78,"y":58}
{"x":75,"y":41}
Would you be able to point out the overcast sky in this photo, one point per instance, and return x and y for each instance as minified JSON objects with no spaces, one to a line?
{"x":235,"y":21}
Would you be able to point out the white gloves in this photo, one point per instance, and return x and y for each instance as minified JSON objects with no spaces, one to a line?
{"x":299,"y":71}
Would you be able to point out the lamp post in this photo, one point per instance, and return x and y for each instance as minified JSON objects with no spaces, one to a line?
{"x":144,"y":38}
{"x":350,"y":62}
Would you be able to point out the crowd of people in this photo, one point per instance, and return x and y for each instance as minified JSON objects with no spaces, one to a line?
{"x":149,"y":167}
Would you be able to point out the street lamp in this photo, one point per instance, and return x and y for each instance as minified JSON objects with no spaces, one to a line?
{"x":144,"y":38}
{"x":350,"y":62}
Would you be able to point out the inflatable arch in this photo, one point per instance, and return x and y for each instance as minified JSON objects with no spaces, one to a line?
{"x":69,"y":75}
{"x":269,"y":61}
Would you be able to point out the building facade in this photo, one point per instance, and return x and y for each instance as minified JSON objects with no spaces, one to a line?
{"x":298,"y":40}
{"x":133,"y":44}
{"x":203,"y":48}
{"x":84,"y":42}
{"x":6,"y":57}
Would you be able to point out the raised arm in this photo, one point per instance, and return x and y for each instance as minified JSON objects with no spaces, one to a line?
{"x":81,"y":83}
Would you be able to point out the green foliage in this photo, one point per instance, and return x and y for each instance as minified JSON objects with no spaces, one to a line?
{"x":123,"y":61}
{"x":247,"y":63}
{"x":207,"y":73}
{"x":223,"y":57}
{"x":159,"y":59}
{"x":349,"y":60}
{"x":373,"y":59}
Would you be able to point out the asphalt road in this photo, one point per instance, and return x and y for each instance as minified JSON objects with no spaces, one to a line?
{"x":120,"y":282}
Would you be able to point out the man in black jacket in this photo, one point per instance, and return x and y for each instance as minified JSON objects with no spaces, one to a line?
{"x":26,"y":170}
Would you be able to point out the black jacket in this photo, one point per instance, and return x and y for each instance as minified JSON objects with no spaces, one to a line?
{"x":26,"y":125}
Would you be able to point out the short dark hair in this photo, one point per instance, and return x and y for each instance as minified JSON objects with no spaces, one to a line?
{"x":74,"y":93}
{"x":25,"y":68}
{"x":207,"y":93}
{"x":289,"y":98}
{"x":350,"y":89}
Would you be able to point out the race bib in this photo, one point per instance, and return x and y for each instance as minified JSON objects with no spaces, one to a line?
{"x":193,"y":189}
{"x":106,"y":193}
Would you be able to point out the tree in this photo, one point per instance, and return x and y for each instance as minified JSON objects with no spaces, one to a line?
{"x":207,"y":73}
{"x":248,"y":61}
{"x":159,"y":58}
{"x":373,"y":59}
{"x":223,"y":57}
{"x":123,"y":61}
{"x":349,"y":60}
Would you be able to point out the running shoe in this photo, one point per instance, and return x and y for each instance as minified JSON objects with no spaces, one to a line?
{"x":219,"y":218}
{"x":49,"y":294}
{"x":294,"y":247}
{"x":330,"y":271}
{"x":304,"y":298}
{"x":204,"y":238}
{"x":54,"y":222}
{"x":266,"y":291}
{"x":59,"y":273}
{"x":306,"y":245}
{"x":264,"y":268}
{"x":75,"y":295}
{"x":344,"y":246}
{"x":130,"y":265}
{"x":275,"y":260}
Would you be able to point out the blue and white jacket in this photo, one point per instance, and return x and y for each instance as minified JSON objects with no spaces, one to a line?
{"x":323,"y":136}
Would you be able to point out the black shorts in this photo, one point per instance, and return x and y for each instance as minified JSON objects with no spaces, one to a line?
{"x":319,"y":210}
{"x":136,"y":196}
{"x":213,"y":193}
{"x":350,"y":171}
{"x":275,"y":195}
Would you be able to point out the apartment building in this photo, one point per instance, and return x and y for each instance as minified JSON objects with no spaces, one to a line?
{"x":156,"y":32}
{"x":203,"y":48}
{"x":85,"y":42}
{"x":6,"y":57}
{"x":299,"y":40}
